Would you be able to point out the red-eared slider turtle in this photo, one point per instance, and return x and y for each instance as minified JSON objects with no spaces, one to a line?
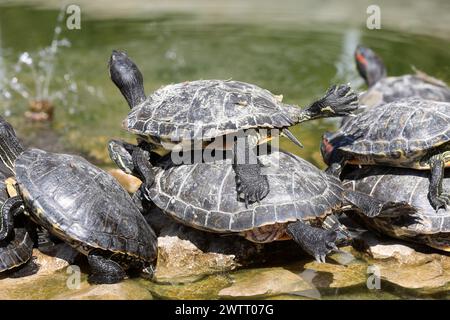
{"x":411,"y":186}
{"x":197,"y":112}
{"x":204,"y":196}
{"x":383,"y":89}
{"x":410,"y":133}
{"x":85,"y":207}
{"x":17,"y":247}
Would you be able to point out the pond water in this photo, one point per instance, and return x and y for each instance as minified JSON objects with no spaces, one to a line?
{"x":296,"y":61}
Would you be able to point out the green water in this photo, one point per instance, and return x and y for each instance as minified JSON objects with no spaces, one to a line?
{"x":295,"y":61}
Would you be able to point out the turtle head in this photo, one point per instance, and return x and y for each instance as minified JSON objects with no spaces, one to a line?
{"x":326,"y":147}
{"x":127,"y":77}
{"x":369,"y":64}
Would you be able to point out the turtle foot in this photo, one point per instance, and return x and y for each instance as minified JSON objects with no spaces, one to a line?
{"x":104,"y":270}
{"x":338,"y":101}
{"x":315,"y":241}
{"x":251,"y":185}
{"x":441,"y":201}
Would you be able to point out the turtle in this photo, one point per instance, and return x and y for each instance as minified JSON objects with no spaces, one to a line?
{"x":82,"y":205}
{"x":409,"y":133}
{"x":383,"y":89}
{"x":201,"y":113}
{"x":300,"y":207}
{"x":16,"y":250}
{"x":423,"y":225}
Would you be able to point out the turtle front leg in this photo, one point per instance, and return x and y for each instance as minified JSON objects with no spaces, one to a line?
{"x":438,"y":198}
{"x":338,"y":101}
{"x":315,"y":241}
{"x":104,"y":270}
{"x":11,"y":208}
{"x":251,"y":184}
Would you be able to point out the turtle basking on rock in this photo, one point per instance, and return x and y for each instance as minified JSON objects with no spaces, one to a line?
{"x":203,"y":196}
{"x":197,"y":114}
{"x":384,"y":89}
{"x":424,"y":224}
{"x":410,"y":133}
{"x":80,"y":204}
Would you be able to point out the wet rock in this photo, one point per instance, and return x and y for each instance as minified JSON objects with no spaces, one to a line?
{"x":337,"y":276}
{"x":265,"y":282}
{"x":49,"y":280}
{"x":206,"y":288}
{"x":126,"y":290}
{"x":403,"y":265}
{"x":423,"y":273}
{"x":128,"y":182}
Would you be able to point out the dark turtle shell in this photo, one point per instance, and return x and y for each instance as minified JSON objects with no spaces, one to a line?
{"x":203,"y":195}
{"x":16,"y":251}
{"x":399,"y":133}
{"x":206,"y":109}
{"x":83,"y":204}
{"x":399,"y":184}
{"x":408,"y":86}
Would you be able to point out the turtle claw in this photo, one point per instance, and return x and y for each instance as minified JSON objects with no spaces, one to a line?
{"x":251,"y":187}
{"x":315,"y":241}
{"x":320,"y":258}
{"x":440,"y":202}
{"x":338,"y":101}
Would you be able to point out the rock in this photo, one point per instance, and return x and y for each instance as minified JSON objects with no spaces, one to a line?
{"x":182,"y":260}
{"x":402,"y":265}
{"x":187,"y":254}
{"x":337,"y":276}
{"x":128,"y":182}
{"x":126,"y":290}
{"x":206,"y":288}
{"x":54,"y":259}
{"x":265,"y":282}
{"x":424,"y":273}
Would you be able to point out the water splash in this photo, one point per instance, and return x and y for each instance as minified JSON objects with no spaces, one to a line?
{"x":345,"y":65}
{"x":33,"y":78}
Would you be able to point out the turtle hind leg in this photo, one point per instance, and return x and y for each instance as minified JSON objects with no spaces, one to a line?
{"x":104,"y":270}
{"x":372,"y":207}
{"x":438,"y":198}
{"x":315,"y":241}
{"x":251,"y":184}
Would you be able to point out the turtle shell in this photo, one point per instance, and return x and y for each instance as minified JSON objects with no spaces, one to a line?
{"x":203,"y":195}
{"x":16,"y":251}
{"x":397,"y":133}
{"x":82,"y":204}
{"x":206,"y":109}
{"x":394,"y":88}
{"x":401,"y":184}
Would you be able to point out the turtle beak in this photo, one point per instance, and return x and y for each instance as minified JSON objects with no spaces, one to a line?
{"x":286,"y":133}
